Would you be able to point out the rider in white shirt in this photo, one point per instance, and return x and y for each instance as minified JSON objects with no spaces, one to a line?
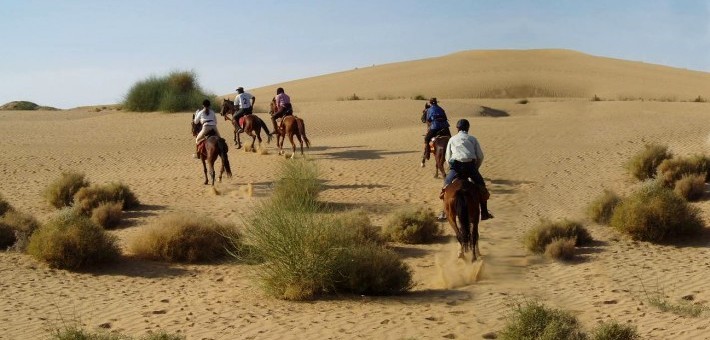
{"x":207,"y":118}
{"x":244,"y":102}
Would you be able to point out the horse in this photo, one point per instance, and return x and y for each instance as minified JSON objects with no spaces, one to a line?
{"x":290,"y":126}
{"x":252,"y":125}
{"x":439,"y":144}
{"x":214,"y":147}
{"x":462,"y":200}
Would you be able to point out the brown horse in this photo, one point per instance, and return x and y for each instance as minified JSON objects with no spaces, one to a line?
{"x":252,"y":125}
{"x":290,"y":126}
{"x":214,"y":147}
{"x":461,"y":200}
{"x":440,"y":143}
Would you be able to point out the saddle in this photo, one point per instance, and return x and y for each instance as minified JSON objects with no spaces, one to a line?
{"x":241,"y":120}
{"x":201,"y":149}
{"x":432,"y":143}
{"x":482,"y":191}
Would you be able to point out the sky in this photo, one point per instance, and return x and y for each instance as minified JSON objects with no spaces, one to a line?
{"x":73,"y":53}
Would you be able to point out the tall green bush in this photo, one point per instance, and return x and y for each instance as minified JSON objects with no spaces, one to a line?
{"x":176,"y":92}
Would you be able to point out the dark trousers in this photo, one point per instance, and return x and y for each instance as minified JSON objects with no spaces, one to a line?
{"x":464,"y":171}
{"x":431,"y":134}
{"x":286,"y":110}
{"x":241,"y":113}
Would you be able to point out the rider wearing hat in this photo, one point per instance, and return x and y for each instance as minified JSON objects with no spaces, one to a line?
{"x":439,"y":125}
{"x":465,"y":157}
{"x":244,"y":102}
{"x":283,"y":106}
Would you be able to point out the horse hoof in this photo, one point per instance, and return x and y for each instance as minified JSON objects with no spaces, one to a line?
{"x":422,"y":164}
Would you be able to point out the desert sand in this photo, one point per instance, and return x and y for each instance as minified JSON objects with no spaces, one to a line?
{"x":545,"y":159}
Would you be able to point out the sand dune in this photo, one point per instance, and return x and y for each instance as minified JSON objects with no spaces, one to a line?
{"x":546,"y":159}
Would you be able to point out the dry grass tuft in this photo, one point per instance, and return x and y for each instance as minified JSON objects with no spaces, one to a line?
{"x":298,"y":186}
{"x":601,"y":209}
{"x":60,"y":193}
{"x":644,"y":164}
{"x":5,"y":206}
{"x":612,"y":330}
{"x":108,"y":214}
{"x":690,"y":186}
{"x":533,"y":320}
{"x":21,"y":226}
{"x":672,"y":170}
{"x":358,"y":223}
{"x":77,"y":333}
{"x":185,"y":238}
{"x":656,"y":214}
{"x":543,"y":234}
{"x":89,"y":198}
{"x":412,"y":226}
{"x":561,"y":249}
{"x":71,"y":241}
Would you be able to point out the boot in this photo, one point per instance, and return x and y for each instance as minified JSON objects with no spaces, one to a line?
{"x":196,"y":155}
{"x":426,"y":151}
{"x":485,"y":214}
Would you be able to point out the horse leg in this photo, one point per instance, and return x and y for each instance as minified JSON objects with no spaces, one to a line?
{"x":253,"y":140}
{"x":474,"y":212}
{"x":300,"y":141}
{"x":450,"y":209}
{"x":204,"y":169}
{"x":239,"y":141}
{"x":293,"y":145}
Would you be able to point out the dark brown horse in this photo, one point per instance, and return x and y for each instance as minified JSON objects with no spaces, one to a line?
{"x":440,"y":143}
{"x":252,"y":125}
{"x":214,"y":147}
{"x":461,"y":201}
{"x":290,"y":126}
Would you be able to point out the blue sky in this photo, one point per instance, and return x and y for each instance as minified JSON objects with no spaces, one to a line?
{"x":72,"y":52}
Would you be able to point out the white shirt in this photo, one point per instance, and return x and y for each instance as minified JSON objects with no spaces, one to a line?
{"x":243,"y":100}
{"x":463,"y":147}
{"x":207,"y":118}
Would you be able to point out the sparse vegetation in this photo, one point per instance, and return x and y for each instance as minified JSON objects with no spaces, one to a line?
{"x":353,"y":97}
{"x":561,"y":249}
{"x":524,"y":91}
{"x":671,"y":170}
{"x":298,"y":186}
{"x":76,"y":333}
{"x":644,"y":164}
{"x":700,"y":99}
{"x":419,"y":97}
{"x":601,"y":209}
{"x":411,"y":225}
{"x":107,"y":214}
{"x":613,"y":330}
{"x":543,"y":234}
{"x":532,"y":321}
{"x":20,"y":227}
{"x":358,"y":223}
{"x":23,"y":105}
{"x":596,"y":98}
{"x":176,"y":92}
{"x":690,"y":186}
{"x":522,"y":101}
{"x":185,"y":238}
{"x":5,"y":206}
{"x":60,"y":193}
{"x":89,"y":198}
{"x":656,"y":214}
{"x":71,"y":241}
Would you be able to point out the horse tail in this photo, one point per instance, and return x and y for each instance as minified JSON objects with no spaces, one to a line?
{"x":266,"y":128}
{"x":223,"y":148}
{"x":302,"y":131}
{"x":464,"y":220}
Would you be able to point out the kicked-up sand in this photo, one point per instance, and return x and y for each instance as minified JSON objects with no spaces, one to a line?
{"x":545,"y":159}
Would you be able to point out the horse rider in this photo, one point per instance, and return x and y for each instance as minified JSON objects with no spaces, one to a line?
{"x":464,"y":155}
{"x":438,"y":125}
{"x":206,"y":117}
{"x":244,"y":102}
{"x":283,"y":107}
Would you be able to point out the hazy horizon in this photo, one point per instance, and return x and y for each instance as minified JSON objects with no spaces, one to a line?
{"x":87,"y":53}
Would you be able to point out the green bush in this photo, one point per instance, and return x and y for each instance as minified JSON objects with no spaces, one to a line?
{"x":89,"y":198}
{"x":613,"y":330}
{"x":176,"y":92}
{"x":672,"y":170}
{"x":656,"y":214}
{"x":690,"y":186}
{"x":537,"y":238}
{"x":107,"y":214}
{"x":20,"y":227}
{"x":561,"y":249}
{"x":411,"y":226}
{"x":185,"y":238}
{"x":535,"y":321}
{"x":298,"y":186}
{"x":601,"y":209}
{"x":306,"y":255}
{"x":71,"y":241}
{"x":60,"y":193}
{"x":644,"y":164}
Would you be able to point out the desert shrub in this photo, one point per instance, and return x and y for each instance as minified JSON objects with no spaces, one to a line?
{"x":561,"y":249}
{"x":185,"y":238}
{"x":700,"y":99}
{"x":298,"y":186}
{"x":71,"y":241}
{"x":420,"y":97}
{"x":537,"y":238}
{"x":306,"y":255}
{"x":533,"y":320}
{"x":7,"y":236}
{"x":178,"y":91}
{"x":21,"y":225}
{"x":522,"y":101}
{"x":644,"y":164}
{"x":107,"y":214}
{"x":5,"y":206}
{"x":674,"y":169}
{"x":596,"y":98}
{"x":601,"y":208}
{"x":358,"y":223}
{"x":411,"y":226}
{"x":89,"y":198}
{"x":60,"y":192}
{"x":656,"y":214}
{"x":690,"y":186}
{"x":613,"y":330}
{"x":76,"y":333}
{"x":353,"y":97}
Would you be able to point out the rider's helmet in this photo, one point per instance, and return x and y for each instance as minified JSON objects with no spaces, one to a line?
{"x":280,"y":90}
{"x":433,"y":101}
{"x":240,"y":89}
{"x":463,"y":125}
